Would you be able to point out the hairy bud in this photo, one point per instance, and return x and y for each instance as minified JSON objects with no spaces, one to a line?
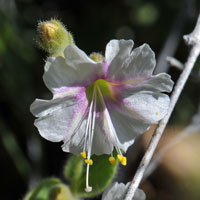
{"x":53,"y":37}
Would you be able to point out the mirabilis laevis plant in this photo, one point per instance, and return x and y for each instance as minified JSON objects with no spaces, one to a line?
{"x":102,"y":105}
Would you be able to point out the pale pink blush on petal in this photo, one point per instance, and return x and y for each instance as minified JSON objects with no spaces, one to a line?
{"x":78,"y":114}
{"x":105,"y":69}
{"x":67,"y":91}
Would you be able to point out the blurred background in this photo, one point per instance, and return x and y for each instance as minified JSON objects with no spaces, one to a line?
{"x":26,"y":158}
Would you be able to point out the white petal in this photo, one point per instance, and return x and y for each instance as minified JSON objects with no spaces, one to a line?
{"x":161,"y":83}
{"x":48,"y":63}
{"x":41,"y":108}
{"x":101,"y":144}
{"x":58,"y":118}
{"x":73,"y":72}
{"x":76,"y":142}
{"x":127,"y":126}
{"x":140,"y":63}
{"x":150,"y":106}
{"x":76,"y":56}
{"x":117,"y":191}
{"x":116,"y":53}
{"x":107,"y":126}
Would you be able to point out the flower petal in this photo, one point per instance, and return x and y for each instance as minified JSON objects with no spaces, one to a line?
{"x":116,"y":53}
{"x":161,"y":83}
{"x":76,"y":56}
{"x":117,"y":191}
{"x":58,"y":118}
{"x":72,"y":71}
{"x":101,"y":144}
{"x":140,"y":63}
{"x":127,"y":126}
{"x":76,"y":142}
{"x":149,"y":106}
{"x":41,"y":108}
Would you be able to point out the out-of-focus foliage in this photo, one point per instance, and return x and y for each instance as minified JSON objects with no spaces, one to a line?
{"x":43,"y":190}
{"x":26,"y":158}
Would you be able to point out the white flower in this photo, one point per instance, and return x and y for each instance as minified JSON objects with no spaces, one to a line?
{"x":99,"y":106}
{"x":117,"y":191}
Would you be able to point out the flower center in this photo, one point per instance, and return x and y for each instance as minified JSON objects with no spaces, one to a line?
{"x":96,"y":93}
{"x":104,"y":86}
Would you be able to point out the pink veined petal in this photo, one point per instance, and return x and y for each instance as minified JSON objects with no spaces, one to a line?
{"x":70,"y":72}
{"x":58,"y":118}
{"x":63,"y":92}
{"x":160,"y":83}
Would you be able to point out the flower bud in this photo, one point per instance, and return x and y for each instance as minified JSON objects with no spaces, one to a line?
{"x":53,"y":37}
{"x":97,"y":57}
{"x":61,"y":192}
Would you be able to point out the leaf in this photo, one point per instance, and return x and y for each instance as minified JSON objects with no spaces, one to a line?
{"x":73,"y":169}
{"x":42,"y":190}
{"x":101,"y":174}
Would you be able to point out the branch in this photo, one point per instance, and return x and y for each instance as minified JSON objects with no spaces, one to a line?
{"x":192,"y":39}
{"x":175,"y":63}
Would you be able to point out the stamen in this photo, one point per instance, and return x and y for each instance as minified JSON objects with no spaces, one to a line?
{"x":88,"y":188}
{"x":89,"y":137}
{"x":93,"y":125}
{"x":88,"y":124}
{"x":89,"y":161}
{"x":112,"y":160}
{"x":122,"y":159}
{"x":83,"y":154}
{"x":112,"y":131}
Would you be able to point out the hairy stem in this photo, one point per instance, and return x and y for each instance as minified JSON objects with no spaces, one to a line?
{"x":192,"y":39}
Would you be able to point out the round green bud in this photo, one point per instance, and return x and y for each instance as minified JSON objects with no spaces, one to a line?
{"x":61,"y":192}
{"x":53,"y":37}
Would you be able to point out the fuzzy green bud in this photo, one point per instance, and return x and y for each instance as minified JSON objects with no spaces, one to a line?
{"x":53,"y":37}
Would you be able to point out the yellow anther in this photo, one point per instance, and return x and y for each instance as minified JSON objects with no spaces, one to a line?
{"x":124,"y":161}
{"x":120,"y":157}
{"x":112,"y":160}
{"x":83,"y":154}
{"x":89,"y":161}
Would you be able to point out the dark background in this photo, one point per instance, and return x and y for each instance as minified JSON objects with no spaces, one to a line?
{"x":25,"y":157}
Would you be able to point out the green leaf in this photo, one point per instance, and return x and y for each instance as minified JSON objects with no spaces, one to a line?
{"x":41,"y":191}
{"x":101,"y":174}
{"x":73,"y":169}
